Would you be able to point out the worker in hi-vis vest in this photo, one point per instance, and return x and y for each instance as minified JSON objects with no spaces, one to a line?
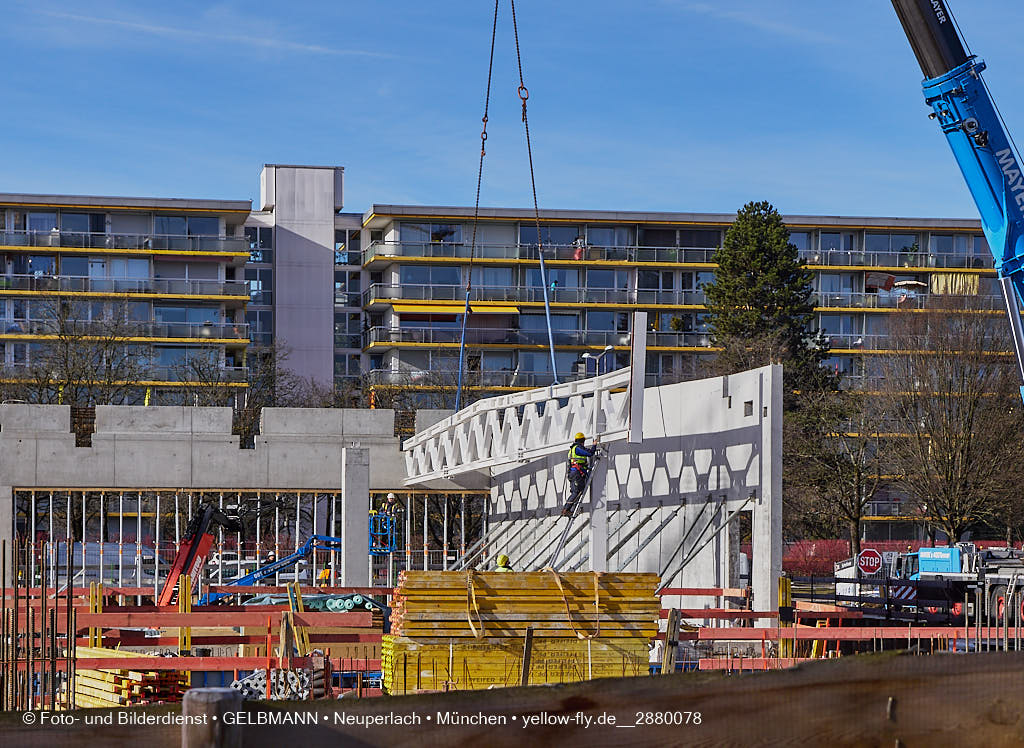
{"x":579,"y":469}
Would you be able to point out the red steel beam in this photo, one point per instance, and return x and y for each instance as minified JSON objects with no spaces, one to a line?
{"x":811,"y":633}
{"x":205,"y":664}
{"x":705,"y":591}
{"x":138,"y":639}
{"x":361,"y":619}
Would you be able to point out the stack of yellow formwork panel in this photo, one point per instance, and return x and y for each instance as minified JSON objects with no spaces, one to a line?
{"x":123,"y":686}
{"x":466,"y":630}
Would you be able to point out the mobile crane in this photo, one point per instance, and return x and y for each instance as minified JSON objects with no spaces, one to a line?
{"x":966,"y":113}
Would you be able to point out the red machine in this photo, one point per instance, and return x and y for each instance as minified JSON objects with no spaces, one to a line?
{"x":191,"y":555}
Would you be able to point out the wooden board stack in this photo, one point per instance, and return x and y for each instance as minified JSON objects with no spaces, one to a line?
{"x":123,"y":687}
{"x":466,"y":630}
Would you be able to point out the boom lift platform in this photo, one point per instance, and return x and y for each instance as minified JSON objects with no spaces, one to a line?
{"x":315,"y":543}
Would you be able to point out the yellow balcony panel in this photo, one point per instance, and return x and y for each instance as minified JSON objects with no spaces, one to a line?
{"x":429,"y":308}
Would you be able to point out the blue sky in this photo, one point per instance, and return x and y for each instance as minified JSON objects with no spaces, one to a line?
{"x":645,"y":105}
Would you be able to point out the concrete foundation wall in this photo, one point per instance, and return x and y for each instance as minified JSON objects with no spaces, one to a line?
{"x":710,"y":448}
{"x":347,"y":451}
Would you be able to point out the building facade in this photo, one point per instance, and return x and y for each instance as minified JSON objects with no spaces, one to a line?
{"x":157,"y":284}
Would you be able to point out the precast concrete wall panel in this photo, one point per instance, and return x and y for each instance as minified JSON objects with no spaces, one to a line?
{"x":711,"y":448}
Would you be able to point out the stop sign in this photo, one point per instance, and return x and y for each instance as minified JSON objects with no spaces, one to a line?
{"x":869,"y":561}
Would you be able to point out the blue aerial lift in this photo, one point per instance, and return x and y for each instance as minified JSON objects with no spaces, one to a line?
{"x":315,"y":543}
{"x":969,"y":118}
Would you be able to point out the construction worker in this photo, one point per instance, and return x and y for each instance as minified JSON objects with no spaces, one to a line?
{"x":391,"y":505}
{"x":324,"y":577}
{"x":579,"y":469}
{"x":503,"y":564}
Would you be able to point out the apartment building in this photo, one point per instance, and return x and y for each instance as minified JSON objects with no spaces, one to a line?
{"x":168,"y":273}
{"x":600,"y":266}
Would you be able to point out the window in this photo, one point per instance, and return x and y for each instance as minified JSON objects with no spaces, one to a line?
{"x":425,"y":275}
{"x":550,"y":235}
{"x":83,"y":223}
{"x":655,"y":280}
{"x":76,"y":266}
{"x":700,"y":238}
{"x":559,"y":322}
{"x":836,"y":283}
{"x":261,"y":285}
{"x":657,"y":237}
{"x":611,"y":236}
{"x":890,"y":242}
{"x":42,"y":222}
{"x":346,"y":246}
{"x":261,"y":243}
{"x":839,"y":324}
{"x":203,"y":226}
{"x":421,"y":233}
{"x":170,"y":225}
{"x":616,"y":279}
{"x":801,"y":240}
{"x":192,"y":315}
{"x":492,"y":277}
{"x":557,"y":277}
{"x":705,"y":278}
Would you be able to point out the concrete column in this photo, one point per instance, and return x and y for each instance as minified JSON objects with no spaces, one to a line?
{"x":7,"y":525}
{"x":599,"y":496}
{"x":355,"y":523}
{"x":767,"y":521}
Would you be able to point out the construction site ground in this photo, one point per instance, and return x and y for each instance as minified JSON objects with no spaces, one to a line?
{"x":887,"y":699}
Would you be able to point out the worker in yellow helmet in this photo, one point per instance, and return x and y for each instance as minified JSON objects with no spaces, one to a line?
{"x":579,"y":469}
{"x":503,"y":564}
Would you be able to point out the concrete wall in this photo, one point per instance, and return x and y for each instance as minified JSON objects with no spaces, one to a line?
{"x":351,"y":451}
{"x":303,"y":200}
{"x":710,"y":448}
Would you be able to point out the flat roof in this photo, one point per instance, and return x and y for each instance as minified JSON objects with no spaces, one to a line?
{"x":380,"y":213}
{"x":92,"y":202}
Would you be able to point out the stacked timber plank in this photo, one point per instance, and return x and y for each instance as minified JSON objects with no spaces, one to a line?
{"x":123,"y":686}
{"x":466,"y":630}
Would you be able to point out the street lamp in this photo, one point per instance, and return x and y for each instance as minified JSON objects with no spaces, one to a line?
{"x":597,"y":358}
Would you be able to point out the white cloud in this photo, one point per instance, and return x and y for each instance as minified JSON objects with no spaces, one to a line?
{"x":759,"y":19}
{"x":265,"y":42}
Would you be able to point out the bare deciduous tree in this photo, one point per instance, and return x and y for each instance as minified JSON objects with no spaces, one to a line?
{"x":837,"y":456}
{"x":78,"y":360}
{"x":950,"y":391}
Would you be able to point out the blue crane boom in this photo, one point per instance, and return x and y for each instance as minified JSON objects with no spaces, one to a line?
{"x":315,"y":543}
{"x":967,"y":115}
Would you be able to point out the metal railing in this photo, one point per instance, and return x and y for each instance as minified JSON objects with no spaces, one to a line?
{"x":461,"y":250}
{"x":921,"y":259}
{"x":514,"y":337}
{"x":528,"y":294}
{"x":84,"y":240}
{"x":668,"y":255}
{"x":106,"y":328}
{"x":909,"y":300}
{"x":156,"y":286}
{"x":164,"y":373}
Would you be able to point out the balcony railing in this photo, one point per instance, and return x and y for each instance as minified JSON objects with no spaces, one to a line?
{"x":155,"y":286}
{"x":447,"y":379}
{"x":107,"y":328}
{"x":668,"y":255}
{"x":388,"y":293}
{"x":460,"y":251}
{"x":158,"y":373}
{"x":513,"y":337}
{"x":81,"y":240}
{"x":528,"y":294}
{"x":834,"y":257}
{"x":910,"y":300}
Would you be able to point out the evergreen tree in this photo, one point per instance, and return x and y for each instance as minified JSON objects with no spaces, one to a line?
{"x":759,"y":305}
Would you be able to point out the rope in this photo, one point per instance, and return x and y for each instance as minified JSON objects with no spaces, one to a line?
{"x":524,"y":94}
{"x":568,"y":611}
{"x":472,"y":607}
{"x":476,"y":208}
